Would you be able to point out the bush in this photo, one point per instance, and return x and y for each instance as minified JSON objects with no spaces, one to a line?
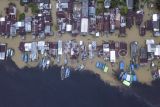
{"x":21,"y":16}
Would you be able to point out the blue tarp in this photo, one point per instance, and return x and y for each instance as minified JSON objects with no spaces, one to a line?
{"x":121,"y":65}
{"x":131,"y":67}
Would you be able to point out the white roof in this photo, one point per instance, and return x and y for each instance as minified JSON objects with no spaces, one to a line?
{"x":39,"y":14}
{"x":84,"y":25}
{"x":28,"y":46}
{"x":155,"y":17}
{"x":60,"y":47}
{"x":20,"y":24}
{"x":2,"y":19}
{"x":72,"y":52}
{"x":68,"y":27}
{"x":28,"y":26}
{"x":128,"y":78}
{"x":157,"y":50}
{"x":159,"y":72}
{"x":105,"y":47}
{"x":150,"y":41}
{"x":90,"y":46}
{"x":41,"y":43}
{"x":97,"y":34}
{"x":151,"y":47}
{"x":2,"y":55}
{"x":112,"y":56}
{"x":80,"y":42}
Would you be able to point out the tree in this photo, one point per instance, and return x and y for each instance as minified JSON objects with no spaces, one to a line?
{"x":34,"y":8}
{"x":124,"y":10}
{"x":21,"y":16}
{"x":114,"y":3}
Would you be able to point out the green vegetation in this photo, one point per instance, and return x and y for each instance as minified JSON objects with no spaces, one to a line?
{"x":34,"y":8}
{"x":114,"y":3}
{"x":117,"y":3}
{"x":21,"y":3}
{"x":21,"y":16}
{"x":157,"y":3}
{"x":100,"y":8}
{"x":136,"y":5}
{"x":124,"y":10}
{"x":100,"y":1}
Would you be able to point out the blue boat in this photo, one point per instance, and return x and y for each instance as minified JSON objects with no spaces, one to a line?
{"x":25,"y":57}
{"x":67,"y":72}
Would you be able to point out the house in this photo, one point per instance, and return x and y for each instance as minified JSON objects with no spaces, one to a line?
{"x":3,"y":48}
{"x":143,"y":59}
{"x":106,"y":51}
{"x":35,"y":27}
{"x":139,"y":17}
{"x":92,"y":25}
{"x":53,"y":49}
{"x":28,"y":25}
{"x":156,"y":24}
{"x":20,"y":26}
{"x":60,"y":52}
{"x":130,"y":19}
{"x":107,"y":4}
{"x":25,"y":1}
{"x":129,"y":4}
{"x":74,"y":51}
{"x":157,"y":52}
{"x":106,"y":22}
{"x":117,"y":21}
{"x":84,"y":8}
{"x":13,"y":30}
{"x":112,"y":22}
{"x":21,"y":46}
{"x":76,"y":22}
{"x":42,"y":47}
{"x":151,"y":47}
{"x":7,"y":28}
{"x":92,"y":17}
{"x":122,"y":51}
{"x":2,"y":25}
{"x":84,"y":26}
{"x":122,"y":29}
{"x":34,"y":51}
{"x":92,"y":11}
{"x":149,"y":25}
{"x":134,"y":49}
{"x":142,"y":30}
{"x":11,"y":12}
{"x":99,"y":23}
{"x":40,"y":1}
{"x":113,"y":56}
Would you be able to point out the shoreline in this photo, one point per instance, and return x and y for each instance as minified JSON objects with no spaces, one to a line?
{"x":143,"y":74}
